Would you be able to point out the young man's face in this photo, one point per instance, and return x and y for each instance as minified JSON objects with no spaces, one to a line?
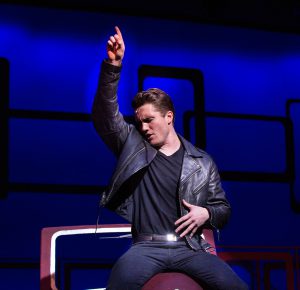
{"x":153,"y":125}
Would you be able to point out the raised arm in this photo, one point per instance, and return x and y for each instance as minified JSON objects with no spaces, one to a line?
{"x":108,"y":121}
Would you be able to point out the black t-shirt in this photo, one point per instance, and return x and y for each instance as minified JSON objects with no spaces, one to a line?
{"x":156,"y":205}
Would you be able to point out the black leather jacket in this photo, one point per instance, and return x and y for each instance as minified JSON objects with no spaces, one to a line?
{"x":199,"y":182}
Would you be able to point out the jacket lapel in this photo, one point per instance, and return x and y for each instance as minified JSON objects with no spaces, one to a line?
{"x":190,"y":162}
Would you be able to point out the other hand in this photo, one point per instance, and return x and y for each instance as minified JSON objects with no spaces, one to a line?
{"x":191,"y":222}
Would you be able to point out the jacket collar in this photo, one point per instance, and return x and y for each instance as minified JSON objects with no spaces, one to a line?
{"x":190,"y":148}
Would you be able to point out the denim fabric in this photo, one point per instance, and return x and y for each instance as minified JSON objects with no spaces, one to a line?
{"x":145,"y":259}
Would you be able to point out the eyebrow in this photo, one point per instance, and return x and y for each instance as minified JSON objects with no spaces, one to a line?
{"x":146,"y":119}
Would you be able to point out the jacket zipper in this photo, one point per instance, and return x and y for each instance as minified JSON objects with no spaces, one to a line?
{"x":190,"y":176}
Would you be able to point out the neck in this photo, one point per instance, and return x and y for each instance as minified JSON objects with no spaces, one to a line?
{"x":171,"y":145}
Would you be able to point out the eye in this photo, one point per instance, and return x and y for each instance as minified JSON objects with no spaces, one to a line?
{"x":148,"y":120}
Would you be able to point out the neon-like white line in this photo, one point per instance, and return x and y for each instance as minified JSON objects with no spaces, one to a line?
{"x":78,"y":232}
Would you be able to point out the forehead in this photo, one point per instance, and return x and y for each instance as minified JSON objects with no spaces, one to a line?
{"x":146,"y":110}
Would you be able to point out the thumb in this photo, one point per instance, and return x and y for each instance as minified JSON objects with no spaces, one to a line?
{"x":186,"y":204}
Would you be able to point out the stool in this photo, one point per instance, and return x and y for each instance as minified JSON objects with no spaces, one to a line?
{"x":171,"y":281}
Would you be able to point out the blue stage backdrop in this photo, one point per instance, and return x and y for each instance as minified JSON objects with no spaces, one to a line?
{"x":237,"y":96}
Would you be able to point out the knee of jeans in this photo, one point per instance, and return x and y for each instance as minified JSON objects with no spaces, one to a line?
{"x":127,"y":278}
{"x":124,"y":281}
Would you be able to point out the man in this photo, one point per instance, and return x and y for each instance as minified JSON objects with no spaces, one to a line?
{"x":165,"y":187}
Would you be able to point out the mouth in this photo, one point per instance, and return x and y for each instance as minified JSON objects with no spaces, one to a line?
{"x":149,"y":137}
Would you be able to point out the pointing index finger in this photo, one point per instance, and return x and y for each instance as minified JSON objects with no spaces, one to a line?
{"x":118,"y":32}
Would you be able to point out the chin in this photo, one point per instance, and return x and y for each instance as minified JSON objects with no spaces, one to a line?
{"x":153,"y":143}
{"x":157,"y":145}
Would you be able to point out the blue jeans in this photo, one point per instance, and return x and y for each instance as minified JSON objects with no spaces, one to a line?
{"x":145,"y":259}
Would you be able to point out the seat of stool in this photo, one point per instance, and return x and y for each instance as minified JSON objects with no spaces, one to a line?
{"x":171,"y":281}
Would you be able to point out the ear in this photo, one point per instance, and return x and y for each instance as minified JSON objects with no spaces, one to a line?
{"x":170,"y":117}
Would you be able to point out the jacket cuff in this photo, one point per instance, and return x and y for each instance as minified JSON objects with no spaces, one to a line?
{"x":209,"y":223}
{"x":110,"y":67}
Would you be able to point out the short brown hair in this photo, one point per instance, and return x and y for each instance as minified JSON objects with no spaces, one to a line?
{"x":157,"y":97}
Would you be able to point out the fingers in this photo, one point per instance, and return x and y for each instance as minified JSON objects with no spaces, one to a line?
{"x":187,"y":231}
{"x":183,"y":223}
{"x":186,"y":222}
{"x":182,"y":219}
{"x":190,"y":222}
{"x":118,"y":32}
{"x":187,"y":216}
{"x":189,"y":226}
{"x":116,"y":40}
{"x":111,"y":41}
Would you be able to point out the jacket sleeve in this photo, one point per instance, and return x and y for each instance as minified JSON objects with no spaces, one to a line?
{"x":107,"y":119}
{"x":217,"y":203}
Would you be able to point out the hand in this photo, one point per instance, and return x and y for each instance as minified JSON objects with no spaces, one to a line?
{"x":190,"y":222}
{"x":116,"y":47}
